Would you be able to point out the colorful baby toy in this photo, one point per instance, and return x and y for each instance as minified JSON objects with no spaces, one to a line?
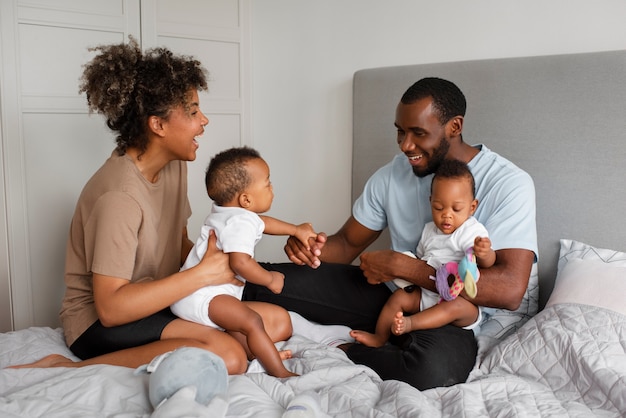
{"x":465,"y":274}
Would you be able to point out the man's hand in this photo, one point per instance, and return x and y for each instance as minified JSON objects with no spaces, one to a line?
{"x":385,"y":265}
{"x":299,"y":254}
{"x":377,"y":266}
{"x":305,"y":234}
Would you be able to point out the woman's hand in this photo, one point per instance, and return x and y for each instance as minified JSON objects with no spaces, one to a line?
{"x":214,"y":268}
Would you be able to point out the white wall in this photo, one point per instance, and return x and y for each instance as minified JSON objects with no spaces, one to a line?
{"x":305,"y":53}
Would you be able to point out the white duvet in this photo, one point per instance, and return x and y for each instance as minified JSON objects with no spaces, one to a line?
{"x":568,"y":361}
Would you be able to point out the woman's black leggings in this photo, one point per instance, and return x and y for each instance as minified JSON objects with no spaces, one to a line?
{"x":339,"y":294}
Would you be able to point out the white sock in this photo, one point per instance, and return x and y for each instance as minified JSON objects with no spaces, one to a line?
{"x":255,"y":366}
{"x":332,"y":335}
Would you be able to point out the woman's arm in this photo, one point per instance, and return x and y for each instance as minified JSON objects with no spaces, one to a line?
{"x":118,"y":301}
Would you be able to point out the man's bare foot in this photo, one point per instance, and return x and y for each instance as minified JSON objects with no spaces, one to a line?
{"x":401,"y":324}
{"x":52,"y":360}
{"x":285,"y":354}
{"x":368,"y":339}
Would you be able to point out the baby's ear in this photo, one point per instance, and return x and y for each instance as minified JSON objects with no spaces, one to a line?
{"x":245,"y":200}
{"x":474,"y":205}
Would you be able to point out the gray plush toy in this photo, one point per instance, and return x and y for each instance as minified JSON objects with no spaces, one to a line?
{"x":201,"y":373}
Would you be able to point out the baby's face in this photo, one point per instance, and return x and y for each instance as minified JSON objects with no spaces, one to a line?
{"x":260,"y":189}
{"x":451,"y":203}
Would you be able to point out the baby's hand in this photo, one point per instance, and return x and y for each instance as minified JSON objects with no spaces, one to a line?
{"x":482,"y":246}
{"x":304,"y":232}
{"x":277,"y":283}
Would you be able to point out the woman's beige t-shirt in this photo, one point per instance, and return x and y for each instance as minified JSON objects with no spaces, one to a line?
{"x":123,"y":226}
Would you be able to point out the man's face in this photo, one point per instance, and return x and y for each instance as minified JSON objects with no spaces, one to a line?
{"x":421,"y":137}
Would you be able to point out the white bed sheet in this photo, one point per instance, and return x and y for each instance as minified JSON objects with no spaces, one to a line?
{"x":569,"y":361}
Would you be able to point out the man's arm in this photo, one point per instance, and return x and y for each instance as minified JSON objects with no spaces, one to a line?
{"x":386,"y":265}
{"x":503,"y":285}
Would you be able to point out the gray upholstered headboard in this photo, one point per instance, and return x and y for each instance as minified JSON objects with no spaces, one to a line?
{"x":561,"y":118}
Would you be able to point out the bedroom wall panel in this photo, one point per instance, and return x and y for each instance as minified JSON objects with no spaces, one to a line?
{"x":50,"y":143}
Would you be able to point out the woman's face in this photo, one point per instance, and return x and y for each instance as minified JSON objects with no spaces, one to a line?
{"x":184,"y":124}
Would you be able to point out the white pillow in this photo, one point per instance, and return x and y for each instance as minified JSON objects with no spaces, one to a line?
{"x":590,"y":276}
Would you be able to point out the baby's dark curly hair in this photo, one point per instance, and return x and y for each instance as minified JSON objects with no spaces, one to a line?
{"x":128,"y":86}
{"x":227,"y":175}
{"x":454,"y":169}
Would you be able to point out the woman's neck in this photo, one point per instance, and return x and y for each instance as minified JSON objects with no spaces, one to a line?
{"x":148,"y":163}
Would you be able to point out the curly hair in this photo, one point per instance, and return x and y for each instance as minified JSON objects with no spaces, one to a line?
{"x":448,"y":100}
{"x":454,"y":169}
{"x":226,"y":175}
{"x":128,"y":86}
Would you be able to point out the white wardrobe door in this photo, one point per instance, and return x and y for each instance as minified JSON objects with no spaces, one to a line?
{"x":51,"y":145}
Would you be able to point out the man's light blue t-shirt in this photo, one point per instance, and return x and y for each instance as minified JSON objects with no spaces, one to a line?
{"x":397,"y":199}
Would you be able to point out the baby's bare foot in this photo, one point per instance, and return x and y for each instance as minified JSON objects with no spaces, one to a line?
{"x":52,"y":360}
{"x":287,"y":373}
{"x":401,"y":324}
{"x":368,"y":339}
{"x":285,"y":354}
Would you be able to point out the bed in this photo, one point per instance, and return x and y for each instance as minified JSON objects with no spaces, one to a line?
{"x":561,"y":118}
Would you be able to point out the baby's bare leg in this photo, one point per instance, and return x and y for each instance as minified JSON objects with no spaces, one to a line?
{"x":246,"y":325}
{"x":459,"y":312}
{"x":401,"y":301}
{"x":277,"y":323}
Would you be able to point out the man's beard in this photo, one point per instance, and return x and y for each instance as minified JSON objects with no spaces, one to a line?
{"x":434,"y":160}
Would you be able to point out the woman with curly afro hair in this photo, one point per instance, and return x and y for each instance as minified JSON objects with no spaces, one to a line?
{"x":128,"y":236}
